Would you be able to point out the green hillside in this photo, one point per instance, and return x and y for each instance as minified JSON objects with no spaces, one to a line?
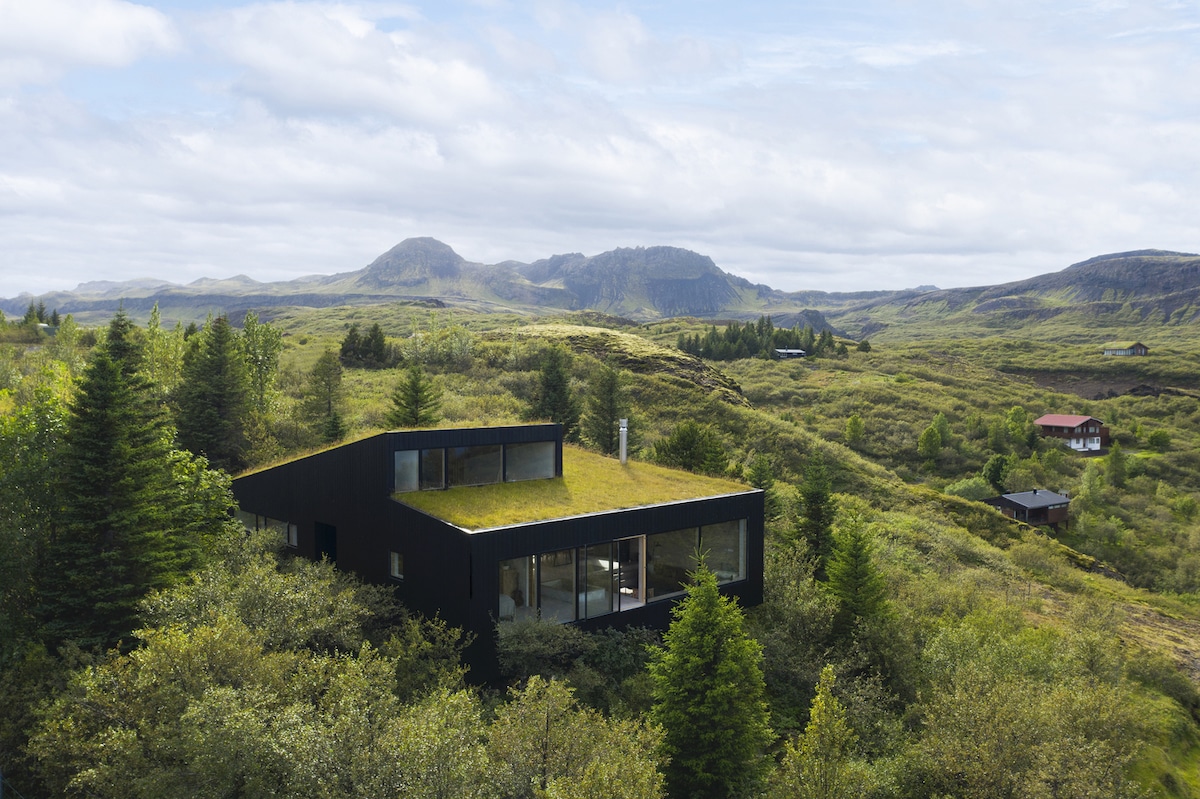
{"x":999,"y":660}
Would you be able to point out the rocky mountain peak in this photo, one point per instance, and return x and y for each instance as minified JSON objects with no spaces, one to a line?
{"x":413,"y":261}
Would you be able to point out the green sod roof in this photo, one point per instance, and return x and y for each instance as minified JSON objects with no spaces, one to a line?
{"x":590,"y":483}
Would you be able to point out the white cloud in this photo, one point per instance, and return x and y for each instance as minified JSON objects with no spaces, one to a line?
{"x":331,"y":59}
{"x":38,"y":40}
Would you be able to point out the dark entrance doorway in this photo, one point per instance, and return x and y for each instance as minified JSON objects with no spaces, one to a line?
{"x":326,"y":541}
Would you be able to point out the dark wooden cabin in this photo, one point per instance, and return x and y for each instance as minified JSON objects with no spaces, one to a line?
{"x":1036,"y":507}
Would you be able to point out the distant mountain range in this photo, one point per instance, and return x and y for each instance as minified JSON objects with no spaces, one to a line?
{"x":648,"y":283}
{"x":1128,"y":293}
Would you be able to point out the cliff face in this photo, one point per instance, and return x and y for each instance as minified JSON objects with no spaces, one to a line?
{"x":669,"y":280}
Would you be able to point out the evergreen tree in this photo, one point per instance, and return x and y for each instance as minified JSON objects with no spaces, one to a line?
{"x":853,"y":578}
{"x":710,"y":697}
{"x":117,"y":539}
{"x":323,"y":397}
{"x":214,"y":397}
{"x":817,"y":764}
{"x":929,"y":445}
{"x":692,"y":446}
{"x":333,"y":429}
{"x":761,"y":472}
{"x":995,"y":471}
{"x":855,"y":430}
{"x":1115,"y":468}
{"x":416,"y":401}
{"x":374,"y":348}
{"x":553,"y":399}
{"x":350,"y":353}
{"x":942,"y":425}
{"x":816,"y":512}
{"x":605,"y":405}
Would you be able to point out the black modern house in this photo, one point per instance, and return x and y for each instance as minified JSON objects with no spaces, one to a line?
{"x":395,"y":509}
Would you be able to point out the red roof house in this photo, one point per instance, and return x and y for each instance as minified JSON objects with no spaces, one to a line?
{"x":1082,"y":433}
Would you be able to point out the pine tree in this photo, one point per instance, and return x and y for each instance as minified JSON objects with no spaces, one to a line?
{"x":323,"y":397}
{"x":116,"y":539}
{"x":214,"y":397}
{"x":853,"y":578}
{"x":710,"y":697}
{"x":692,"y":446}
{"x":374,"y":348}
{"x":606,"y":404}
{"x":1115,"y":468}
{"x":929,"y":445}
{"x":553,"y":398}
{"x":350,"y":353}
{"x":817,"y":764}
{"x":855,"y":430}
{"x":816,"y":512}
{"x":416,"y":401}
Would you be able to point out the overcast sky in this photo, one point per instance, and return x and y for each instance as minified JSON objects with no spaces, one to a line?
{"x":847,"y":145}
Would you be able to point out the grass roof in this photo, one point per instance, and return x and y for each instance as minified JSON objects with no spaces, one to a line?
{"x":590,"y":483}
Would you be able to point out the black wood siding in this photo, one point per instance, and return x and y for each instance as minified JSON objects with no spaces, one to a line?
{"x":451,"y":572}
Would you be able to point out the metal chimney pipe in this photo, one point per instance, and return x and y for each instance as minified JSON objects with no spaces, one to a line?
{"x":624,"y":440}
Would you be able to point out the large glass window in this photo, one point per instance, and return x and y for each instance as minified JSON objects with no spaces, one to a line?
{"x":250,"y":520}
{"x":669,"y":558}
{"x":724,"y":546}
{"x":518,"y":588}
{"x":472,"y":466}
{"x":632,"y":578}
{"x":600,"y":574}
{"x":557,"y":573}
{"x":408,"y":470}
{"x":433,"y":472}
{"x":396,"y":565}
{"x":531,"y":461}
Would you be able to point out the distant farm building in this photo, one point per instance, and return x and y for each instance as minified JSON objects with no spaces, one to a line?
{"x":1035,"y":507}
{"x":1082,"y":433}
{"x":784,"y":355}
{"x":1126,"y":348}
